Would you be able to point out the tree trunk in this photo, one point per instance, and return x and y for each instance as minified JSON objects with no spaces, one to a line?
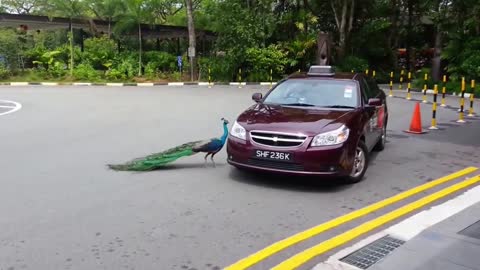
{"x":409,"y":33}
{"x":139,"y":50}
{"x":436,"y":61}
{"x":392,"y":41}
{"x":71,"y":48}
{"x":191,"y":37}
{"x":109,"y":26}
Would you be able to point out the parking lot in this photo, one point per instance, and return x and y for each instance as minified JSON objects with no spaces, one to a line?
{"x":62,"y":208}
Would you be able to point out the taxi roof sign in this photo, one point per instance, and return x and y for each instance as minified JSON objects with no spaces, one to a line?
{"x":321,"y":71}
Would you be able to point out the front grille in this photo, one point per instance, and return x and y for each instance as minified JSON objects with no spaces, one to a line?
{"x":275,"y":165}
{"x":277,"y":139}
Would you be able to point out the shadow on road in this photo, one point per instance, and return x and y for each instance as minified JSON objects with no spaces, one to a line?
{"x":293,"y":183}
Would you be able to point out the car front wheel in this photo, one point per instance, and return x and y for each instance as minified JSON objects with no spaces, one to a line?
{"x":360,"y":164}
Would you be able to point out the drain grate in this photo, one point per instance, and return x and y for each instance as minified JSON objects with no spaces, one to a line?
{"x":472,"y":230}
{"x":373,"y":252}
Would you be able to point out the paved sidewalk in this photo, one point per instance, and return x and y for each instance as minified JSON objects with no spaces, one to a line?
{"x":453,"y":244}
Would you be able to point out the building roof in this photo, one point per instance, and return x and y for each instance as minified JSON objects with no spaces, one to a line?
{"x":37,"y":22}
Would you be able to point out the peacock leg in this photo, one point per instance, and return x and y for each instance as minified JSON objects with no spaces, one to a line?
{"x":206,"y":159}
{"x":213,"y":160}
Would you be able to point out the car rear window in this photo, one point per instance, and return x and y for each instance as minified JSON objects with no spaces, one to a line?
{"x":320,"y":93}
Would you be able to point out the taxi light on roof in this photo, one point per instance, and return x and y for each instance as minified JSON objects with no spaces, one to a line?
{"x":321,"y":71}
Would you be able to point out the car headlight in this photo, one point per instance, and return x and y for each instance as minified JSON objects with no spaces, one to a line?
{"x":333,"y":137}
{"x":238,"y":131}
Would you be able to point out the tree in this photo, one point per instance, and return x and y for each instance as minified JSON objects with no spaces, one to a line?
{"x":22,"y":6}
{"x":131,"y":15}
{"x":344,"y":11}
{"x":105,"y":10}
{"x":70,"y":9}
{"x":191,"y":37}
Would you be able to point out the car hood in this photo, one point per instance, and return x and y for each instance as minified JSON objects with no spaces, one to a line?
{"x":309,"y":121}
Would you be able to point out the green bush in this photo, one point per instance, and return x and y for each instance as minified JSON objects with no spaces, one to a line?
{"x":85,"y":72}
{"x":259,"y":62}
{"x":57,"y":70}
{"x":354,"y":63}
{"x":10,"y":48}
{"x":99,"y":52}
{"x":126,"y":63}
{"x":160,"y":61}
{"x":4,"y":73}
{"x":221,"y":68}
{"x":115,"y":75}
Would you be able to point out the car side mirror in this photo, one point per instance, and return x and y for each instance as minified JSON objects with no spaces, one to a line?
{"x":257,"y":97}
{"x":375,"y":102}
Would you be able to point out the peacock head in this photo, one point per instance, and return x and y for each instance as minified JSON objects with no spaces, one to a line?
{"x":225,"y":121}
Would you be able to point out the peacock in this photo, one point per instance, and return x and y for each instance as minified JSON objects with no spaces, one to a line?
{"x":158,"y":160}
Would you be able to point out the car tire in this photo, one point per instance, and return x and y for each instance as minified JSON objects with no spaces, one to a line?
{"x":358,"y":173}
{"x":382,"y":141}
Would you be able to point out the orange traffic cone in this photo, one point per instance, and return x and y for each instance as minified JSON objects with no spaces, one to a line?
{"x":416,"y":123}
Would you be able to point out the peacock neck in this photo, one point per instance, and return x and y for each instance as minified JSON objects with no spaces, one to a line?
{"x":225,"y":133}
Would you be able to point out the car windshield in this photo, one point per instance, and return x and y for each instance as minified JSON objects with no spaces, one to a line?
{"x":318,"y":93}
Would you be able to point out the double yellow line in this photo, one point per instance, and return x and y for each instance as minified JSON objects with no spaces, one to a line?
{"x":302,"y":257}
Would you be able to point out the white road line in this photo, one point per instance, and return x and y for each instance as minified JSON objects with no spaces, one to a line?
{"x":176,"y":84}
{"x":9,"y":107}
{"x":19,"y":83}
{"x":15,"y":108}
{"x":145,"y":84}
{"x":409,"y":228}
{"x":114,"y":84}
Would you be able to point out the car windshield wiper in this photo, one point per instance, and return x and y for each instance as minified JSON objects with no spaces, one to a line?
{"x":298,"y":104}
{"x":340,"y":106}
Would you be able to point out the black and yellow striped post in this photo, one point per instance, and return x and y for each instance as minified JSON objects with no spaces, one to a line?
{"x":444,"y":90}
{"x":434,"y":108}
{"x":390,"y":94}
{"x":400,"y":86}
{"x":425,"y":78}
{"x":366,"y":72}
{"x":209,"y":78}
{"x":352,"y":71}
{"x":239,"y":78}
{"x":409,"y":86}
{"x":373,"y":73}
{"x":470,"y":111}
{"x":461,"y":118}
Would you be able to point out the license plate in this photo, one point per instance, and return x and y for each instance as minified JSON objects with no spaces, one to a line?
{"x":273,"y":155}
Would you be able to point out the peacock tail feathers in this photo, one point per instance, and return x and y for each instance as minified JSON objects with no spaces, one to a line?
{"x":157,"y":160}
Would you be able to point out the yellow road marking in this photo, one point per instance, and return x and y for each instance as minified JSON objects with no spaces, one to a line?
{"x":292,"y":240}
{"x":304,"y":256}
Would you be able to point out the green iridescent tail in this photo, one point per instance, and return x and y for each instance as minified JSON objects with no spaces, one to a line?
{"x":157,"y":160}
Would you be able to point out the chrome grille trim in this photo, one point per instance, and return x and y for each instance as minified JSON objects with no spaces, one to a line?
{"x":277,"y":139}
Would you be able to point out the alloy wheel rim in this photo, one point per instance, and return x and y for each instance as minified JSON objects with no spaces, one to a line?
{"x":358,"y":163}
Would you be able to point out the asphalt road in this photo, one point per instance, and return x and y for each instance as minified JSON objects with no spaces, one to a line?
{"x":61,"y":208}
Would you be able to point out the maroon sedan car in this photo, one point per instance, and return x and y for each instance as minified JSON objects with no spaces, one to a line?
{"x":321,"y":123}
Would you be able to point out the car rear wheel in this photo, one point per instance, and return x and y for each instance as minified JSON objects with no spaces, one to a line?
{"x":360,"y":164}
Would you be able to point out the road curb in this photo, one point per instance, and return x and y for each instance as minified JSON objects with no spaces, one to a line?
{"x":149,"y":84}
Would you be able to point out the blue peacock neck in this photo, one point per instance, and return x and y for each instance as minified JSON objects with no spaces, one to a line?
{"x":225,"y":133}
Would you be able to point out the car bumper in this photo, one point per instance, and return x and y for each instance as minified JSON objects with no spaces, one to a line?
{"x":318,"y":161}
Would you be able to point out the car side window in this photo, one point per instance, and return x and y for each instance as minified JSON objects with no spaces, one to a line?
{"x":368,"y":90}
{"x":364,"y":90}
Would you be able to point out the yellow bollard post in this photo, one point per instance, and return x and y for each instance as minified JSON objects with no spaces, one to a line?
{"x":352,"y":71}
{"x":390,"y":94}
{"x":401,"y":80}
{"x":462,"y":103}
{"x":373,"y":73}
{"x":239,"y":78}
{"x":425,"y":78}
{"x":434,"y":108}
{"x":409,"y":86}
{"x":366,"y":72}
{"x":444,"y":90}
{"x":470,"y":111}
{"x":209,"y":79}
